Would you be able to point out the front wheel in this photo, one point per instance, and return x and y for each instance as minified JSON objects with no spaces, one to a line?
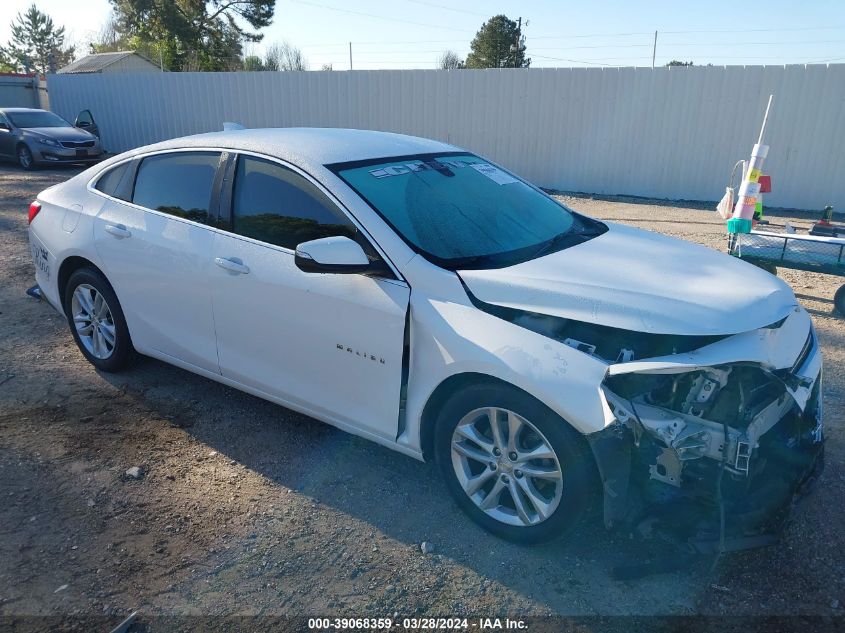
{"x":516,"y":468}
{"x":25,"y":158}
{"x":96,"y":321}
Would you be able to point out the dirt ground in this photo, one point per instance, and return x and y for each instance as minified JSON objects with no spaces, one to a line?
{"x":245,"y":507}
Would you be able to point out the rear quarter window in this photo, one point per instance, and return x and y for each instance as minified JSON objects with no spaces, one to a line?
{"x":109,"y":182}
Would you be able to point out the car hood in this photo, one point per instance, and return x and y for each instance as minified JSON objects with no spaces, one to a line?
{"x":642,"y":281}
{"x":61,"y":133}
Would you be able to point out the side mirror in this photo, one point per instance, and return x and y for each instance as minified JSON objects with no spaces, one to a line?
{"x":331,"y":255}
{"x":83,"y":124}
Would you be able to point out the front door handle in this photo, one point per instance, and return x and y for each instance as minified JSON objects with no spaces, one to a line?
{"x":232,"y":265}
{"x":118,"y":230}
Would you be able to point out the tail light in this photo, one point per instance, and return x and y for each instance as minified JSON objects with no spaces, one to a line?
{"x":34,"y":208}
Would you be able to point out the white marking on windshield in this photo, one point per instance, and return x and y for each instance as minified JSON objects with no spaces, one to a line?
{"x":418,"y":166}
{"x":494,"y":173}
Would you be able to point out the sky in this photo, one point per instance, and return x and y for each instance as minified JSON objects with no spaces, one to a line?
{"x":414,"y":33}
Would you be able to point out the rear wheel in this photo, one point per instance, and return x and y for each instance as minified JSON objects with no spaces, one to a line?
{"x":25,"y":158}
{"x":96,"y":321}
{"x":516,"y":468}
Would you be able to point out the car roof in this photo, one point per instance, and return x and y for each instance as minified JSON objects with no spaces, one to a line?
{"x":308,"y":147}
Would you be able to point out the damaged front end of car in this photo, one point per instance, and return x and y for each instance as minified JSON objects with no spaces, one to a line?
{"x":708,"y":439}
{"x":714,"y":454}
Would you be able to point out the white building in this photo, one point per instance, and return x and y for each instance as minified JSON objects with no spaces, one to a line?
{"x":120,"y":62}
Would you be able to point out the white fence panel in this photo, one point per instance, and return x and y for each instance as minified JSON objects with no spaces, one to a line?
{"x":665,"y":133}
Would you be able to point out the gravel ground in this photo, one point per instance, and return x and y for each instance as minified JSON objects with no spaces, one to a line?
{"x":245,"y":507}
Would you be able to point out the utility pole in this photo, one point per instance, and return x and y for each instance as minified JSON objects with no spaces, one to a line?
{"x":350,"y":55}
{"x":518,"y":44}
{"x":654,"y":50}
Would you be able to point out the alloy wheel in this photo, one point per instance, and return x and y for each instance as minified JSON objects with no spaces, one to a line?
{"x":506,"y":466}
{"x":25,"y":157}
{"x":93,"y":321}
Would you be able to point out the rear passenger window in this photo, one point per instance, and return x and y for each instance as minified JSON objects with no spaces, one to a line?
{"x":178,"y":184}
{"x":276,"y":205}
{"x":108,"y":182}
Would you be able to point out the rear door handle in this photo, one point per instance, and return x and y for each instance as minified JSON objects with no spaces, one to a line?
{"x":232,"y":265}
{"x":118,"y":230}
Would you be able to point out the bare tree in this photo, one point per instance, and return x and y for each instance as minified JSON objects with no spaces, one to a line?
{"x":450,"y":61}
{"x":284,"y":56}
{"x":326,"y":67}
{"x":107,"y":39}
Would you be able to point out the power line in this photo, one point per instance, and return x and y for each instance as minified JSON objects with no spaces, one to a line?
{"x":564,"y":36}
{"x":377,"y":17}
{"x":784,"y":30}
{"x":780,"y":43}
{"x":326,"y":44}
{"x":569,"y":48}
{"x":465,"y":46}
{"x":445,"y":8}
{"x":576,"y":35}
{"x":571,"y":61}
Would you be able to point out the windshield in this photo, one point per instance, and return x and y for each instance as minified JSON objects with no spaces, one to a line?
{"x":36,"y":119}
{"x":460,"y":211}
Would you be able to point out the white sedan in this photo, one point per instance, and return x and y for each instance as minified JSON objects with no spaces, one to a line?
{"x":415,"y":294}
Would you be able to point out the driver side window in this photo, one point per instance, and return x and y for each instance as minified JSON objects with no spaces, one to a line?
{"x":276,"y":205}
{"x":84,"y":119}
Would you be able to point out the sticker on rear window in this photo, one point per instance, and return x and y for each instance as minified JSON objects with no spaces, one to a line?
{"x":494,"y":173}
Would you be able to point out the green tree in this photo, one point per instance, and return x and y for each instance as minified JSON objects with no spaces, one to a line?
{"x":108,"y":40}
{"x":675,"y":62}
{"x":498,"y":45}
{"x":193,"y":34}
{"x":253,"y":63}
{"x":6,"y":65}
{"x":35,"y":40}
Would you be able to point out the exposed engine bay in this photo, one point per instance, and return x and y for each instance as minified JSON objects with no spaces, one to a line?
{"x":718,"y":453}
{"x":718,"y":413}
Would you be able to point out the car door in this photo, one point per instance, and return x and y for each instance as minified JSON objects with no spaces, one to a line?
{"x":156,"y":245}
{"x":7,"y":137}
{"x":331,"y":344}
{"x":85,"y":121}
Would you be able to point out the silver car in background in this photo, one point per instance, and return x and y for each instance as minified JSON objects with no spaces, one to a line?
{"x":32,"y":137}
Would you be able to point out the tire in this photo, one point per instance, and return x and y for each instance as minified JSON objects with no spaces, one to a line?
{"x":25,"y":157}
{"x":839,"y":301}
{"x":572,"y":460}
{"x":96,"y":309}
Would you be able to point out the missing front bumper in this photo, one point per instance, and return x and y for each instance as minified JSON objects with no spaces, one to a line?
{"x":726,"y":496}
